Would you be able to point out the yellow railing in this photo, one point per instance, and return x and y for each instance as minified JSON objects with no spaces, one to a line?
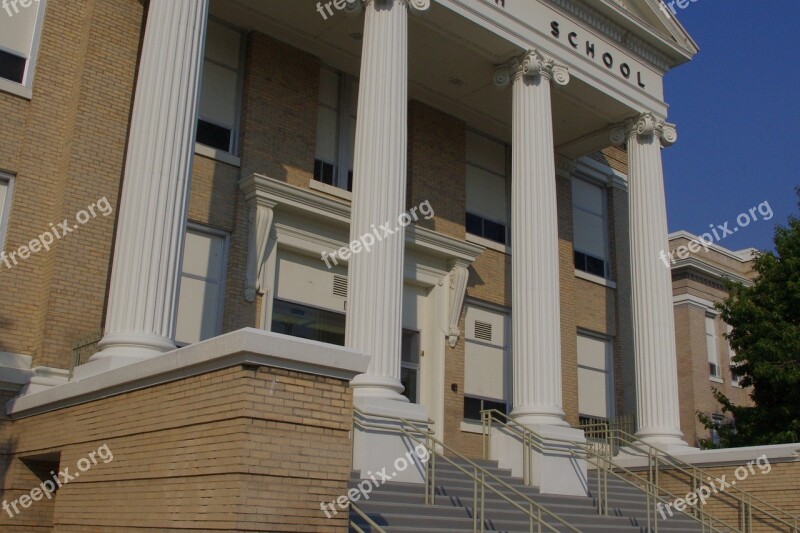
{"x":482,"y":479}
{"x":602,"y":462}
{"x":662,"y":463}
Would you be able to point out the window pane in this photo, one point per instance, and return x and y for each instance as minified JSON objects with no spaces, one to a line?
{"x":12,"y":67}
{"x":589,"y":233}
{"x":494,"y":231}
{"x":16,"y":32}
{"x":326,"y":134}
{"x":213,"y":135}
{"x":587,"y":196}
{"x":408,"y":378}
{"x":218,"y":95}
{"x":474,"y":224}
{"x":486,"y":194}
{"x":308,"y":322}
{"x":486,"y":153}
{"x":223,"y":44}
{"x":202,"y":256}
{"x":329,"y":88}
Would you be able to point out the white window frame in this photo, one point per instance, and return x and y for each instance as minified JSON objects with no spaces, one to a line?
{"x":713,"y":353}
{"x":606,"y":234}
{"x":343,"y":163}
{"x":610,"y":377}
{"x":25,"y":89}
{"x":210,"y":230}
{"x":6,"y":207}
{"x":504,"y":247}
{"x":231,"y":156}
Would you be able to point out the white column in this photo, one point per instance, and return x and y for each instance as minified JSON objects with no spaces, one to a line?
{"x":536,"y":309}
{"x":375,"y":298}
{"x":374,"y":316}
{"x":651,"y":282}
{"x":140,"y":322}
{"x":535,"y":316}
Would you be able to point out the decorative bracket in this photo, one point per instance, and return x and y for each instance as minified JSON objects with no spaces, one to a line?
{"x":645,"y":125}
{"x":458,"y":277}
{"x":260,"y":223}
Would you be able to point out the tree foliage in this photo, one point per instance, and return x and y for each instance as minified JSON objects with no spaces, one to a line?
{"x":765,"y":321}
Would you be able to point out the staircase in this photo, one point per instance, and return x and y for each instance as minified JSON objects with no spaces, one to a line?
{"x":399,"y":507}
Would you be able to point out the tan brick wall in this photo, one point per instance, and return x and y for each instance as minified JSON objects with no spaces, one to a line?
{"x":778,"y":486}
{"x":231,"y":450}
{"x":66,"y":147}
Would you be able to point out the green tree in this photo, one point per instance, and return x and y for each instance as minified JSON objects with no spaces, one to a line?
{"x":765,"y":321}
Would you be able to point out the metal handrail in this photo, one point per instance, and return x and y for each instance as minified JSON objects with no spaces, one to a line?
{"x":374,"y":527}
{"x":604,"y":466}
{"x":744,"y":500}
{"x":479,"y":475}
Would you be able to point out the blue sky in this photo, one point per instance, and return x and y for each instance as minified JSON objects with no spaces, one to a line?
{"x":737,"y":109}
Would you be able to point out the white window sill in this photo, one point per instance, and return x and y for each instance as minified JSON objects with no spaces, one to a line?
{"x":330,"y":189}
{"x":472,"y":426}
{"x":715,"y":379}
{"x":218,"y":155}
{"x":15,"y":88}
{"x":486,"y":243}
{"x":595,"y":279}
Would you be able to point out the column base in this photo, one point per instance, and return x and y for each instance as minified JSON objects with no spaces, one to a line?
{"x":367,"y":386}
{"x":43,"y":378}
{"x":540,"y":416}
{"x":553,"y":471}
{"x":664,"y":438}
{"x":395,"y":455}
{"x":118,"y":350}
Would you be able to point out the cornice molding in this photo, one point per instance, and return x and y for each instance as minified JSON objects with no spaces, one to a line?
{"x":612,"y":30}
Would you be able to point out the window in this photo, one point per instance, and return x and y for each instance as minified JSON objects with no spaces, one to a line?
{"x":486,"y":361}
{"x":590,"y":231}
{"x":20,"y":28}
{"x":202,"y":287}
{"x":487,"y":213}
{"x":308,"y":322}
{"x":5,"y":206}
{"x":595,"y":378}
{"x":717,"y":421}
{"x":218,"y":114}
{"x":409,"y":365}
{"x":711,"y":346}
{"x":336,"y":129}
{"x":735,"y":379}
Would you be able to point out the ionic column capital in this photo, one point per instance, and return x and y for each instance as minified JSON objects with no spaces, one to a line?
{"x":531,"y":64}
{"x":645,"y":125}
{"x":356,"y":6}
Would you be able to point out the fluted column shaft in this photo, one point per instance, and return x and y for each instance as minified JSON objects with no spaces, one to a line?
{"x":535,"y":317}
{"x":651,"y":284}
{"x":374,"y":316}
{"x":140,"y":321}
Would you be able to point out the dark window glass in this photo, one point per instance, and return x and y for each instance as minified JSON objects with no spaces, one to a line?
{"x":590,"y":264}
{"x":323,"y":172}
{"x":213,"y":136}
{"x":12,"y":67}
{"x":474,"y":406}
{"x":308,"y":322}
{"x":488,"y":229}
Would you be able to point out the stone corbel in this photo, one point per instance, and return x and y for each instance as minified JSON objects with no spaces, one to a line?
{"x":458,"y":277}
{"x":260,"y":223}
{"x":645,"y":125}
{"x":531,"y":64}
